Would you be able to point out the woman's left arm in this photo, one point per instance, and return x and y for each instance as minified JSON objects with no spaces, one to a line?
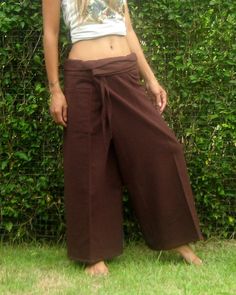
{"x":153,"y":86}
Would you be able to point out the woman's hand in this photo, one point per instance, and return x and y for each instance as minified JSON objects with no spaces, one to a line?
{"x":157,"y":93}
{"x":58,"y":108}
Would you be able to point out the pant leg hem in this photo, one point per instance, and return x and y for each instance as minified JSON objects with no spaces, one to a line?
{"x":175,"y":245}
{"x":77,"y":259}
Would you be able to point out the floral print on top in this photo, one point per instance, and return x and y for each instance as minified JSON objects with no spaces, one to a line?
{"x":98,"y":11}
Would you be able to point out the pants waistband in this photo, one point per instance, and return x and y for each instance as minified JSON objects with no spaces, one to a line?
{"x":103,"y":66}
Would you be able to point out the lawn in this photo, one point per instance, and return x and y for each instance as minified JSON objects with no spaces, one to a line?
{"x":44,"y":269}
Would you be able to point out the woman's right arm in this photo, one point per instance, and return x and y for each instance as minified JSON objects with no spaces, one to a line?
{"x":51,"y":28}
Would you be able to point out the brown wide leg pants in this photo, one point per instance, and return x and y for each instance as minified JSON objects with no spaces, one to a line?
{"x":114,"y":137}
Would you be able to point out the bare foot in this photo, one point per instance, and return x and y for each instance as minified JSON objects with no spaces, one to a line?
{"x":187,"y":253}
{"x":98,"y":268}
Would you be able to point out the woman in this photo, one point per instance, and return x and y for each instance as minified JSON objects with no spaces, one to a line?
{"x":114,"y":135}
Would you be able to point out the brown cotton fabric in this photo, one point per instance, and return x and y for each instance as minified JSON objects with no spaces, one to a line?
{"x":114,"y":137}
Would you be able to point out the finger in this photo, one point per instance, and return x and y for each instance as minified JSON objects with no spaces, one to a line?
{"x":64,"y":113}
{"x":61,"y":121}
{"x":164,"y":101}
{"x":59,"y":118}
{"x":158,"y":100}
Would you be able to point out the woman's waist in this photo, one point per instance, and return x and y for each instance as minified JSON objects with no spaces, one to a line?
{"x":99,"y":48}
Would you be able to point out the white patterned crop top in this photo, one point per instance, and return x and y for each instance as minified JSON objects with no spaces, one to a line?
{"x":100,"y":19}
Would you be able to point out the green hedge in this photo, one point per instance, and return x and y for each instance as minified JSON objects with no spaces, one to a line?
{"x":190,"y":46}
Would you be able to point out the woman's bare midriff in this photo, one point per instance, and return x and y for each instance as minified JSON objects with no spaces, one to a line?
{"x":102,"y":47}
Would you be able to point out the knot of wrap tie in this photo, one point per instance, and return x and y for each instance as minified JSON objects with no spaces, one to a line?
{"x":106,"y":114}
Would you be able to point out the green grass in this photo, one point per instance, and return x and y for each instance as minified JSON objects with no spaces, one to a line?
{"x":44,"y":269}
